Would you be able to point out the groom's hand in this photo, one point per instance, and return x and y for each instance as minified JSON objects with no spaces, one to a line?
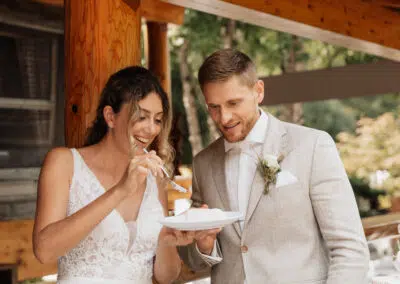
{"x":172,"y":237}
{"x":205,"y":239}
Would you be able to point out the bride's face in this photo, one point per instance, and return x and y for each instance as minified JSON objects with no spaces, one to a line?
{"x":144,"y":130}
{"x":149,"y":122}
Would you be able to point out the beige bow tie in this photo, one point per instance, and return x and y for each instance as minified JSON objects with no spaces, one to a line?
{"x":241,"y":145}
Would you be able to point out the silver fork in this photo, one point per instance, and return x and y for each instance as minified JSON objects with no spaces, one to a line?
{"x":174,"y":184}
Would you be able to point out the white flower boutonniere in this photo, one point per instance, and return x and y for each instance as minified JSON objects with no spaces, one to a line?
{"x":269,"y":167}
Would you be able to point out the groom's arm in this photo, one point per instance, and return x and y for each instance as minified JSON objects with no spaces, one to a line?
{"x":337,"y":215}
{"x":190,"y":254}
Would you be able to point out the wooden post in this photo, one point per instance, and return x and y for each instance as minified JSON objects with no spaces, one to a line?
{"x":159,"y":53}
{"x":101,"y":37}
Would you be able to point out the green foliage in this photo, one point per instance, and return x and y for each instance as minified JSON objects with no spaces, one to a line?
{"x":331,"y":116}
{"x":373,"y":106}
{"x":374,"y":147}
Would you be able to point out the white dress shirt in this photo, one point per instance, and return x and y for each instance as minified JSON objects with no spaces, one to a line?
{"x":241,"y":164}
{"x":240,"y":167}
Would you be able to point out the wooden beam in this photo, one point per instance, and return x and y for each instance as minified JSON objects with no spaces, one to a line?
{"x":16,"y":247}
{"x":152,"y":10}
{"x":158,"y":53}
{"x":56,"y":3}
{"x":101,"y":37}
{"x":354,"y":24}
{"x":335,"y":83}
{"x":158,"y":11}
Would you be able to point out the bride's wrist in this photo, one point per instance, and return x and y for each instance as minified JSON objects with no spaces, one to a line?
{"x":120,"y":192}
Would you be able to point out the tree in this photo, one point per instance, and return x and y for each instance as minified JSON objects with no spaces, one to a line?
{"x":374,"y":149}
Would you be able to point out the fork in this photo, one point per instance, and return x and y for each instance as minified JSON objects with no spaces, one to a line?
{"x":174,"y":184}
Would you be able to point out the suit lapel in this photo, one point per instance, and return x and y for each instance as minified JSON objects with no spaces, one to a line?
{"x":218,"y":173}
{"x":275,"y":144}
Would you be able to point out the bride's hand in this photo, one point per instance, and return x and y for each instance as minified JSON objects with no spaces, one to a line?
{"x":134,"y":178}
{"x":171,"y":237}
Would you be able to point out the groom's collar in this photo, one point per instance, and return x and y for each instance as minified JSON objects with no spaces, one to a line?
{"x":256,"y":135}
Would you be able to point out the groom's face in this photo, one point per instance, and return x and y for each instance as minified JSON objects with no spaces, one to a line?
{"x":234,"y":106}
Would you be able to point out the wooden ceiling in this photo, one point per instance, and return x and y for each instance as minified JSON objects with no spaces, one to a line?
{"x":371,"y":26}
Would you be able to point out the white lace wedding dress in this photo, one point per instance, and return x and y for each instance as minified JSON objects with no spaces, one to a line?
{"x":115,"y":252}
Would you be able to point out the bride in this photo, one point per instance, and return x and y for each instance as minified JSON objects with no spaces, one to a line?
{"x":98,"y":206}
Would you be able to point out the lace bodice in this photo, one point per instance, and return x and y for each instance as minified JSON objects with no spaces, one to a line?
{"x":115,"y":251}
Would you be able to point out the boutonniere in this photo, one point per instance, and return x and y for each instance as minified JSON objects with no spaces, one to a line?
{"x":269,"y":167}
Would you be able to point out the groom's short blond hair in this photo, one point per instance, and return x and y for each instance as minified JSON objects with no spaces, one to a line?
{"x":226,"y":63}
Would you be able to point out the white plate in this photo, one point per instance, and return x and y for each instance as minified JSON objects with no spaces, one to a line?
{"x":202,"y":219}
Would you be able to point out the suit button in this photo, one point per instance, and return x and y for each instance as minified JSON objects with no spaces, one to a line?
{"x":244,"y":249}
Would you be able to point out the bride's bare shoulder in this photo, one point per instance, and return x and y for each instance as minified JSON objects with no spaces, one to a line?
{"x":59,"y":160}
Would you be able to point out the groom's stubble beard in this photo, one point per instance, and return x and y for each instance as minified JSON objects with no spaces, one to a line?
{"x":247,"y":125}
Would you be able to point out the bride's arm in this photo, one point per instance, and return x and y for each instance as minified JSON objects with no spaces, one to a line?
{"x":54,"y":233}
{"x":167,"y":264}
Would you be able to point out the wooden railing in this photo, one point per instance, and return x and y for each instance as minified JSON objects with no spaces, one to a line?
{"x":382,"y":226}
{"x":16,"y":248}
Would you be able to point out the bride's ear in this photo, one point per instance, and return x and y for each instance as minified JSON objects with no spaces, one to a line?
{"x":109,"y":116}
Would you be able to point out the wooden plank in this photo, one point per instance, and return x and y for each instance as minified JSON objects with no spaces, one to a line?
{"x":387,"y":3}
{"x":335,"y":83}
{"x":16,"y":247}
{"x":101,"y":37}
{"x":158,"y":53}
{"x":15,"y":189}
{"x":19,"y":173}
{"x":156,"y":11}
{"x":29,"y":104}
{"x":354,"y":24}
{"x":381,"y":226}
{"x":15,"y":19}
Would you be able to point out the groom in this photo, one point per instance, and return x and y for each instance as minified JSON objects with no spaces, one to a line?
{"x":303,"y":228}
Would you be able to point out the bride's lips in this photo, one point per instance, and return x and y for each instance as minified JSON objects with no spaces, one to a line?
{"x":142,"y":141}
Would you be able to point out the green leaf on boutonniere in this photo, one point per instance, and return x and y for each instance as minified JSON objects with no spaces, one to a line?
{"x":269,"y":167}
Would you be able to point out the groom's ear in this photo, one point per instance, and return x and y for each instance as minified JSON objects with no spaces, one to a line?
{"x":259,"y":88}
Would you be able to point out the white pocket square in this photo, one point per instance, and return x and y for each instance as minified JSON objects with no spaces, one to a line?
{"x":285,"y":178}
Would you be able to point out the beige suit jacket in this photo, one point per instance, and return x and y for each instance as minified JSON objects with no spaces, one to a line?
{"x":306,"y":232}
